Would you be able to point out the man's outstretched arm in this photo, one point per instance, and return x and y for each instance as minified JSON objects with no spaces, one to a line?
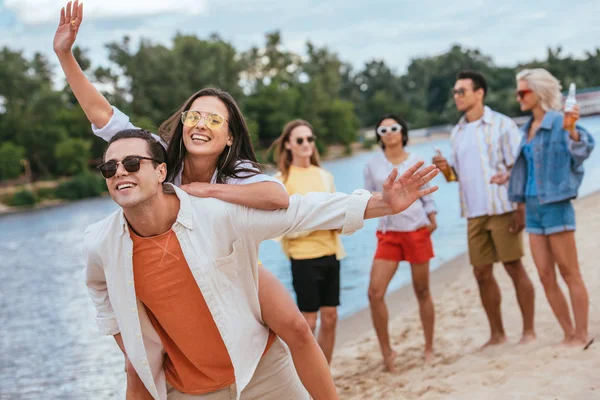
{"x":326,"y":211}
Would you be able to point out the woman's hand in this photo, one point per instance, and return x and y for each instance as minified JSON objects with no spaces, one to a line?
{"x":432,"y":222}
{"x":198,"y":189}
{"x":70,"y":21}
{"x":431,"y":227}
{"x":575,"y":114}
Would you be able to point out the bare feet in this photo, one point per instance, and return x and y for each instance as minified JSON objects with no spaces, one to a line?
{"x":388,"y":362}
{"x":587,"y":346}
{"x":494,"y":340}
{"x":576,"y":341}
{"x":566,"y":342}
{"x":528,"y":337}
{"x":428,"y":356}
{"x":579,"y":341}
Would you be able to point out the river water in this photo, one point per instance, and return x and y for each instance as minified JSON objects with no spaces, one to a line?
{"x":49,"y":344}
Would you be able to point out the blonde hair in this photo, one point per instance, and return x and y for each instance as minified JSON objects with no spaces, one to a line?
{"x":545,"y":86}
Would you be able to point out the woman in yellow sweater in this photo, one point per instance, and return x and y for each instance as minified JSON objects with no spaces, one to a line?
{"x":315,"y":256}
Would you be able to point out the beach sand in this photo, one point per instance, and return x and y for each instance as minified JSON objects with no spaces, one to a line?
{"x":540,"y":370}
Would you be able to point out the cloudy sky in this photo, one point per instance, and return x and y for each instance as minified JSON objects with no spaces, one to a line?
{"x":358,"y":30}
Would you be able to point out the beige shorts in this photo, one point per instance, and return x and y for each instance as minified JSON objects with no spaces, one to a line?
{"x":275,"y":378}
{"x":490,"y":240}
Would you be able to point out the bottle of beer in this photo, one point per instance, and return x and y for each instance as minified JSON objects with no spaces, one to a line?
{"x":570,"y":102}
{"x":448,"y":171}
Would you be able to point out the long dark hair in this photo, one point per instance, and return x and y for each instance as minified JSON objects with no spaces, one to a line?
{"x":400,"y":121}
{"x":283,"y":155}
{"x":241,"y":149}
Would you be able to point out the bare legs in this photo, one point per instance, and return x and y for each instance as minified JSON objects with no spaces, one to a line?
{"x":420,"y":279}
{"x":381,"y":275}
{"x":491,"y":299}
{"x":525,"y":297}
{"x":281,"y":314}
{"x":326,"y":335}
{"x":561,"y":249}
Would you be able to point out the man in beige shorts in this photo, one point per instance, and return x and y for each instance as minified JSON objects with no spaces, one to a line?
{"x":484,"y":145}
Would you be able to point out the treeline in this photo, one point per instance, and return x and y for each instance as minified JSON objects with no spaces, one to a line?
{"x":47,"y":128}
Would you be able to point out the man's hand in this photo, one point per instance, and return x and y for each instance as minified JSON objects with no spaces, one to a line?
{"x":198,"y":189}
{"x":439,"y":161}
{"x":70,"y":21}
{"x":500,"y":178}
{"x":399,"y":194}
{"x":518,"y":219}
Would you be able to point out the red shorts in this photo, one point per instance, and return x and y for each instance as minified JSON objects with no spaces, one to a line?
{"x":414,"y":247}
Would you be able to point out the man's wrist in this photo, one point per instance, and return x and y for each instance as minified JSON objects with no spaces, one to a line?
{"x":376,"y":207}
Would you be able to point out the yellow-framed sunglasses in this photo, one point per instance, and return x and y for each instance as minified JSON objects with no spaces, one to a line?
{"x":191,"y":118}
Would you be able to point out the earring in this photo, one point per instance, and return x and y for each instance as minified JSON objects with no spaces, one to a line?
{"x":227,"y":157}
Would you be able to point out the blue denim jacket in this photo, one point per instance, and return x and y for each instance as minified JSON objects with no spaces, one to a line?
{"x":558,"y":161}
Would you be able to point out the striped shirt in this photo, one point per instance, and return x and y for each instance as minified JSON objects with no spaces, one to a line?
{"x":493,"y":144}
{"x":415,"y":216}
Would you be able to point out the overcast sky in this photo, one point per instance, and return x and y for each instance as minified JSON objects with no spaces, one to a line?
{"x":358,"y":30}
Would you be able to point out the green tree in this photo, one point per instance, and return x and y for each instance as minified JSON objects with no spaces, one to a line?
{"x":73,"y":155}
{"x":271,"y":107}
{"x":272,"y":84}
{"x":161,"y":78}
{"x":380,"y":92}
{"x":341,"y":122}
{"x":269,"y":63}
{"x":11,"y":156}
{"x":32,"y":108}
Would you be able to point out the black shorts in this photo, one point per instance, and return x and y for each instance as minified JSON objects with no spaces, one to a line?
{"x":316,"y":283}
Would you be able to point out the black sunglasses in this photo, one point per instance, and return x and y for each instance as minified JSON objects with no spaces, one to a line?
{"x":309,"y":139}
{"x":130,"y":163}
{"x":460,"y":92}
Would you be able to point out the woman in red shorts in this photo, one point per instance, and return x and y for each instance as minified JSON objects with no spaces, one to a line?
{"x":401,"y":237}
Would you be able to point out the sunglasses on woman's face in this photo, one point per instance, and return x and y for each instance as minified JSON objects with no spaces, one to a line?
{"x":130,"y":163}
{"x":309,"y":139}
{"x":522,"y":93}
{"x":191,"y":118}
{"x":384,"y":130}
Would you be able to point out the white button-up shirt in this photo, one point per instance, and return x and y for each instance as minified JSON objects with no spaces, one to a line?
{"x":414,"y":217}
{"x":493,"y":146}
{"x":220,"y":243}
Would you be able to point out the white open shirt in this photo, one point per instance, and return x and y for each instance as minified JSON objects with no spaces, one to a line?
{"x":220,"y":243}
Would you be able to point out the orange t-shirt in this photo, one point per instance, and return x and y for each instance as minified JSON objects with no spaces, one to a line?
{"x":196,"y":359}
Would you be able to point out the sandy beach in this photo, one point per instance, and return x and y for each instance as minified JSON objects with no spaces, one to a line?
{"x":540,"y":370}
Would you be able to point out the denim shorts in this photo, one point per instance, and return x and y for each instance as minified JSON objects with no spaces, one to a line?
{"x":547,"y":219}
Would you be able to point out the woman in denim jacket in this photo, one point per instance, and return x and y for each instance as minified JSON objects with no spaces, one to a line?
{"x":546,"y":176}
